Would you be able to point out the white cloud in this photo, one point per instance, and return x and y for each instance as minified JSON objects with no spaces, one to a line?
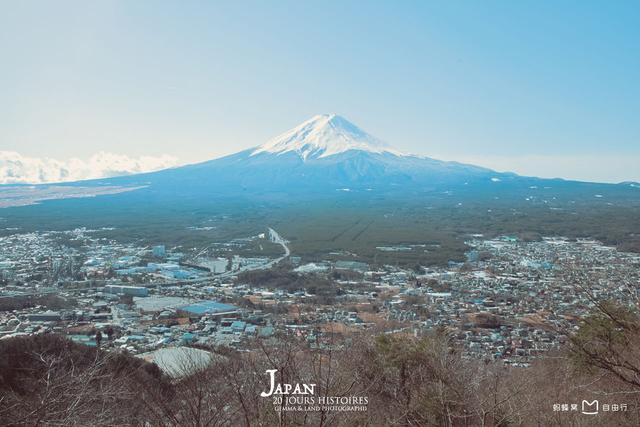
{"x":18,"y":169}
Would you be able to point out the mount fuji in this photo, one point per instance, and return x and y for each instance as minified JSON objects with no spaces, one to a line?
{"x":324,"y":158}
{"x":326,"y":153}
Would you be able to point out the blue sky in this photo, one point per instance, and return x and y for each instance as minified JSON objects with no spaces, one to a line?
{"x":539,"y":87}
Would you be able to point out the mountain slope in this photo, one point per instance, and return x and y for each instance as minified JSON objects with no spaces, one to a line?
{"x":328,"y":155}
{"x":325,"y":153}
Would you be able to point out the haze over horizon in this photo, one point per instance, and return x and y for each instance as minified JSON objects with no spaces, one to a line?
{"x":511,"y":87}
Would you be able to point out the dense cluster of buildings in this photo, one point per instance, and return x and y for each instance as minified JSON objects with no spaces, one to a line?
{"x":510,"y":300}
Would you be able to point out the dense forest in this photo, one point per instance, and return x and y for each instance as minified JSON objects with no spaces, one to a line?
{"x":354,"y":225}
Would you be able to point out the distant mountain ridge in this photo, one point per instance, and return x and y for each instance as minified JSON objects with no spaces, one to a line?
{"x":18,"y":169}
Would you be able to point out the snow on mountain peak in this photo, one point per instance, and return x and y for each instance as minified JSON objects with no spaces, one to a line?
{"x":323,"y":136}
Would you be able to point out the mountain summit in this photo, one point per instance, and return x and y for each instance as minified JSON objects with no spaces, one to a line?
{"x":322,"y":136}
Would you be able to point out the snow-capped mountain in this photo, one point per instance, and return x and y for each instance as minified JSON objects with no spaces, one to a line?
{"x":324,"y":154}
{"x":328,"y":159}
{"x":323,"y":136}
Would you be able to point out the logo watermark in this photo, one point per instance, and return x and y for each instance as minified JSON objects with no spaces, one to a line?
{"x":592,"y":407}
{"x":301,"y":397}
